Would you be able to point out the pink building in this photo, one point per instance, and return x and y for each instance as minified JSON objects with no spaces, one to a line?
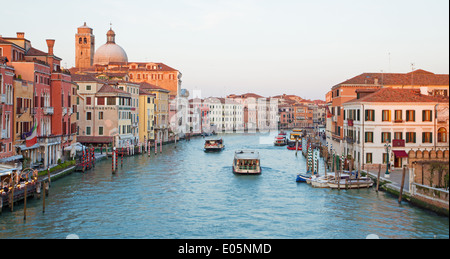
{"x":6,"y":110}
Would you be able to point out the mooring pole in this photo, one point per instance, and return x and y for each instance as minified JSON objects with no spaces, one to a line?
{"x":402,"y":185}
{"x":378,"y":177}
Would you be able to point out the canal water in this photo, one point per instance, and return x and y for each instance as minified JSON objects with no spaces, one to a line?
{"x":184,"y":192}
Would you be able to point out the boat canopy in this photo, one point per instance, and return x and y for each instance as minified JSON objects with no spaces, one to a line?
{"x":246,"y":154}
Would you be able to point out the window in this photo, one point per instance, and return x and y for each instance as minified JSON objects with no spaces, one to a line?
{"x":427,"y":115}
{"x":370,"y":115}
{"x":100,"y":115}
{"x":427,"y":137}
{"x":442,"y":135}
{"x":88,"y":88}
{"x":369,"y":137}
{"x":88,"y":130}
{"x":88,"y":116}
{"x":368,"y":158}
{"x":410,"y":137}
{"x":100,"y":131}
{"x":88,"y":101}
{"x":398,"y":115}
{"x":111,"y":101}
{"x":385,"y":137}
{"x":410,"y":115}
{"x":100,"y":100}
{"x":398,"y":135}
{"x":386,"y":115}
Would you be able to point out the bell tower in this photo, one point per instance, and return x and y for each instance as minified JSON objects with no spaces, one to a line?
{"x":84,"y":47}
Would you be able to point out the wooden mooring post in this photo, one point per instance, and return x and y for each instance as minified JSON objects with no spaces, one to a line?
{"x":25,"y":202}
{"x":402,"y":185}
{"x":378,"y":177}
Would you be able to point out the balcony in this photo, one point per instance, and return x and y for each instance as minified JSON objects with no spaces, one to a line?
{"x":398,"y":143}
{"x":4,"y":134}
{"x":48,"y":110}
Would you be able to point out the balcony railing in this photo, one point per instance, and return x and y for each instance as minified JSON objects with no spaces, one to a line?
{"x":48,"y":110}
{"x":398,"y":143}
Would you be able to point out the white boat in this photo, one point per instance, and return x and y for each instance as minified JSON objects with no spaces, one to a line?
{"x":321,"y":181}
{"x":348,"y":183}
{"x":246,"y":162}
{"x":214,"y":144}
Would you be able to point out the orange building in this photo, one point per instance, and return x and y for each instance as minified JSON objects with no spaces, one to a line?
{"x":110,"y":61}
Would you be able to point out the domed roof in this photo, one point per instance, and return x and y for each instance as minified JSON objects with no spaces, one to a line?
{"x":110,"y":52}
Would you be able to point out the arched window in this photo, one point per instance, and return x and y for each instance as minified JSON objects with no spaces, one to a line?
{"x":80,"y":40}
{"x":442,"y":135}
{"x":85,"y":40}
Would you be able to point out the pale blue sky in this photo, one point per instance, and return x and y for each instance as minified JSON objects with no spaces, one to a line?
{"x":237,"y":46}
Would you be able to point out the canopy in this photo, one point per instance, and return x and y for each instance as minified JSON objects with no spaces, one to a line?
{"x":400,"y":153}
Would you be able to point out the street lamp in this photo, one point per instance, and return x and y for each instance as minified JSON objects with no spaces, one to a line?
{"x":388,"y":147}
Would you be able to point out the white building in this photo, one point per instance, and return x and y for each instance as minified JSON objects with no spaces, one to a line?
{"x":225,"y":114}
{"x":404,"y":119}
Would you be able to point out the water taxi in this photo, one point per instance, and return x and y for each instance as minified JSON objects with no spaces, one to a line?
{"x":291,"y":145}
{"x":295,"y":134}
{"x":280,"y":140}
{"x":246,"y":162}
{"x":214,"y":144}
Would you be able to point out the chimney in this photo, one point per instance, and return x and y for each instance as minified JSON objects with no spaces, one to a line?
{"x":50,"y":44}
{"x":423,"y":90}
{"x":20,"y":35}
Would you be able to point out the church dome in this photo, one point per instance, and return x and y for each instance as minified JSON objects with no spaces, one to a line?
{"x":110,"y":52}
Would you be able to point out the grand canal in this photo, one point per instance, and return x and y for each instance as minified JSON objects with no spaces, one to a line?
{"x":186,"y":193}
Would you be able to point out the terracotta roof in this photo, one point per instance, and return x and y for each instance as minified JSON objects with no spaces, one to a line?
{"x":146,"y":85}
{"x":246,"y":95}
{"x":109,"y":89}
{"x":395,"y":95}
{"x":418,"y":77}
{"x":35,"y":52}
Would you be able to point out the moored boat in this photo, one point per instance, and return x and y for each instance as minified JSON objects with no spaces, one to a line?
{"x":280,"y":141}
{"x":13,"y":184}
{"x":292,"y":145}
{"x":349,"y":183}
{"x":246,"y":162}
{"x":214,"y":145}
{"x":304,"y":177}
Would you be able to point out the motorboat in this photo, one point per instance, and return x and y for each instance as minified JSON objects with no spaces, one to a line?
{"x":214,"y":145}
{"x":351,"y":183}
{"x":246,"y":162}
{"x":291,"y":145}
{"x":280,"y":140}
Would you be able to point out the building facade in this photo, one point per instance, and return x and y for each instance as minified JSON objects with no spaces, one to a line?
{"x":382,"y":127}
{"x":435,"y":84}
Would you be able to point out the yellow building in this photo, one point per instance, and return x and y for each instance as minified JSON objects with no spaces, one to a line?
{"x":161,"y":118}
{"x":146,"y":115}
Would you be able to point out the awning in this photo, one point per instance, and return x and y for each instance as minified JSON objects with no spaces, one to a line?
{"x":95,"y":140}
{"x":400,"y":153}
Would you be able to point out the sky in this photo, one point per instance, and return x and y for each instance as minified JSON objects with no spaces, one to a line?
{"x":238,"y":46}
